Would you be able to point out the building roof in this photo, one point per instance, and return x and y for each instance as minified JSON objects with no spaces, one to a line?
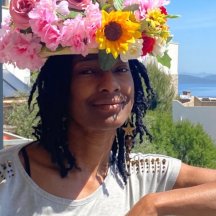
{"x":12,"y":86}
{"x":193,"y":101}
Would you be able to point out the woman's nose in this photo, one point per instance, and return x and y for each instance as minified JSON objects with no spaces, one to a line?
{"x":108,"y":82}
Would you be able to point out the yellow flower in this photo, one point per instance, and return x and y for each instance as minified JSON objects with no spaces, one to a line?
{"x":156,"y":17}
{"x":155,"y":24}
{"x":117,"y":32}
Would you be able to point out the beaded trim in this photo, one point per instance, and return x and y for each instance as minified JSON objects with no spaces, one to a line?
{"x":6,"y":170}
{"x":148,"y":165}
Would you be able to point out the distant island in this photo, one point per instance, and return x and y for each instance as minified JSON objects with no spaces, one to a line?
{"x":208,"y":79}
{"x":199,"y":85}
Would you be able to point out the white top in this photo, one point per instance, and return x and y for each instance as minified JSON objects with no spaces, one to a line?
{"x":21,"y":196}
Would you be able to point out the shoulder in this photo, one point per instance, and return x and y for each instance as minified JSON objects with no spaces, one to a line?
{"x":160,"y":169}
{"x":154,"y":161}
{"x":9,"y":151}
{"x":8,"y":162}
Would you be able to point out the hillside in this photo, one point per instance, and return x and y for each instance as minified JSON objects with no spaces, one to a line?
{"x":209,"y":79}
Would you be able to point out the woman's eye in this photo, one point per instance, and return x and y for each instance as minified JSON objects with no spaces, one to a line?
{"x":122,"y":70}
{"x":87,"y":72}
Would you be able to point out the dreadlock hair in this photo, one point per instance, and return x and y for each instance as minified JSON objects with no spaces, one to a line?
{"x":141,"y":104}
{"x":53,"y":94}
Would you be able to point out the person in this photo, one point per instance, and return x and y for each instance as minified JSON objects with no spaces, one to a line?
{"x":91,"y":109}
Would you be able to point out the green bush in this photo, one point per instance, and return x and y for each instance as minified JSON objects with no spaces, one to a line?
{"x":193,"y":145}
{"x":21,"y":118}
{"x":182,"y":140}
{"x":163,"y":88}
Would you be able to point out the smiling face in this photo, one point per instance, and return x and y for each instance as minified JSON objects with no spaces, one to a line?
{"x":100,"y":100}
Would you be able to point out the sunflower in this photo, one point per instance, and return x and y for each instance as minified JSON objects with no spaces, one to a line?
{"x":117,"y":32}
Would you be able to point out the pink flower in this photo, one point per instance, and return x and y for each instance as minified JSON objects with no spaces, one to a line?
{"x":22,"y":50}
{"x":6,"y":22}
{"x":48,"y":33}
{"x":19,"y":10}
{"x":145,"y":5}
{"x":74,"y":35}
{"x":44,"y":10}
{"x":78,"y":4}
{"x":92,"y":11}
{"x":79,"y":33}
{"x":4,"y":41}
{"x":43,"y":21}
{"x":131,"y":2}
{"x":92,"y":22}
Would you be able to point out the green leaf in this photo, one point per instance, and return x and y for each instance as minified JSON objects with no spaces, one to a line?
{"x":172,"y":16}
{"x":169,"y":39}
{"x":107,"y":61}
{"x":144,"y":26}
{"x":165,"y":60}
{"x":118,"y":4}
{"x":106,"y":7}
{"x":71,"y":15}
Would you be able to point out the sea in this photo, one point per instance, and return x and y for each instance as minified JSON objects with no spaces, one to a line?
{"x":198,"y":89}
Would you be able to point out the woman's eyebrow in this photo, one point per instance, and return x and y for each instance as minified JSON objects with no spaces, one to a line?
{"x":86,"y":61}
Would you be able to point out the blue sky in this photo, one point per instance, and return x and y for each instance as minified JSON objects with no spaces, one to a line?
{"x":195,"y":32}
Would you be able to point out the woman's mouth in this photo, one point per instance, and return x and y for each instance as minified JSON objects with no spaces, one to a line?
{"x":109,"y":107}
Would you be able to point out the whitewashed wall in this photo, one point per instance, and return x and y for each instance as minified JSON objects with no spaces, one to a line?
{"x":4,"y":12}
{"x":204,"y":115}
{"x":173,"y":50}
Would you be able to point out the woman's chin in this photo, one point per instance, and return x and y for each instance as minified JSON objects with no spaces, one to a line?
{"x":110,"y":123}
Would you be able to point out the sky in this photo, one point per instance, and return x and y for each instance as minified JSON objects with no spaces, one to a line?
{"x":195,"y":32}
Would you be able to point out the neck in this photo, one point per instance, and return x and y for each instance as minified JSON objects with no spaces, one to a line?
{"x":91,"y":148}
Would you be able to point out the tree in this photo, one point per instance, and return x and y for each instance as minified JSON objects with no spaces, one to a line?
{"x":163,"y":88}
{"x":20,"y":116}
{"x":193,"y":145}
{"x":182,"y":140}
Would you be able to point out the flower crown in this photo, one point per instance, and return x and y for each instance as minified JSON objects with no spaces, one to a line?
{"x":125,"y":29}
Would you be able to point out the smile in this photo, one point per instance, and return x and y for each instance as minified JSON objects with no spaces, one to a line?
{"x":109,"y":107}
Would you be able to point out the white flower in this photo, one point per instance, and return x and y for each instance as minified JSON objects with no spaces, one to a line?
{"x":159,"y":47}
{"x":62,"y":8}
{"x":134,"y":51}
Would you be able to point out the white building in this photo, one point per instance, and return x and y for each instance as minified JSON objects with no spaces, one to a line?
{"x":173,"y":51}
{"x":197,"y":111}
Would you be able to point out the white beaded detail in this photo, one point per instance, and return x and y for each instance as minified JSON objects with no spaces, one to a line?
{"x":6,"y":170}
{"x":147,"y":165}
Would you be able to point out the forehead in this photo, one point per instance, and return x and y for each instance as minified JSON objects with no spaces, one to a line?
{"x":86,"y":58}
{"x":91,"y":59}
